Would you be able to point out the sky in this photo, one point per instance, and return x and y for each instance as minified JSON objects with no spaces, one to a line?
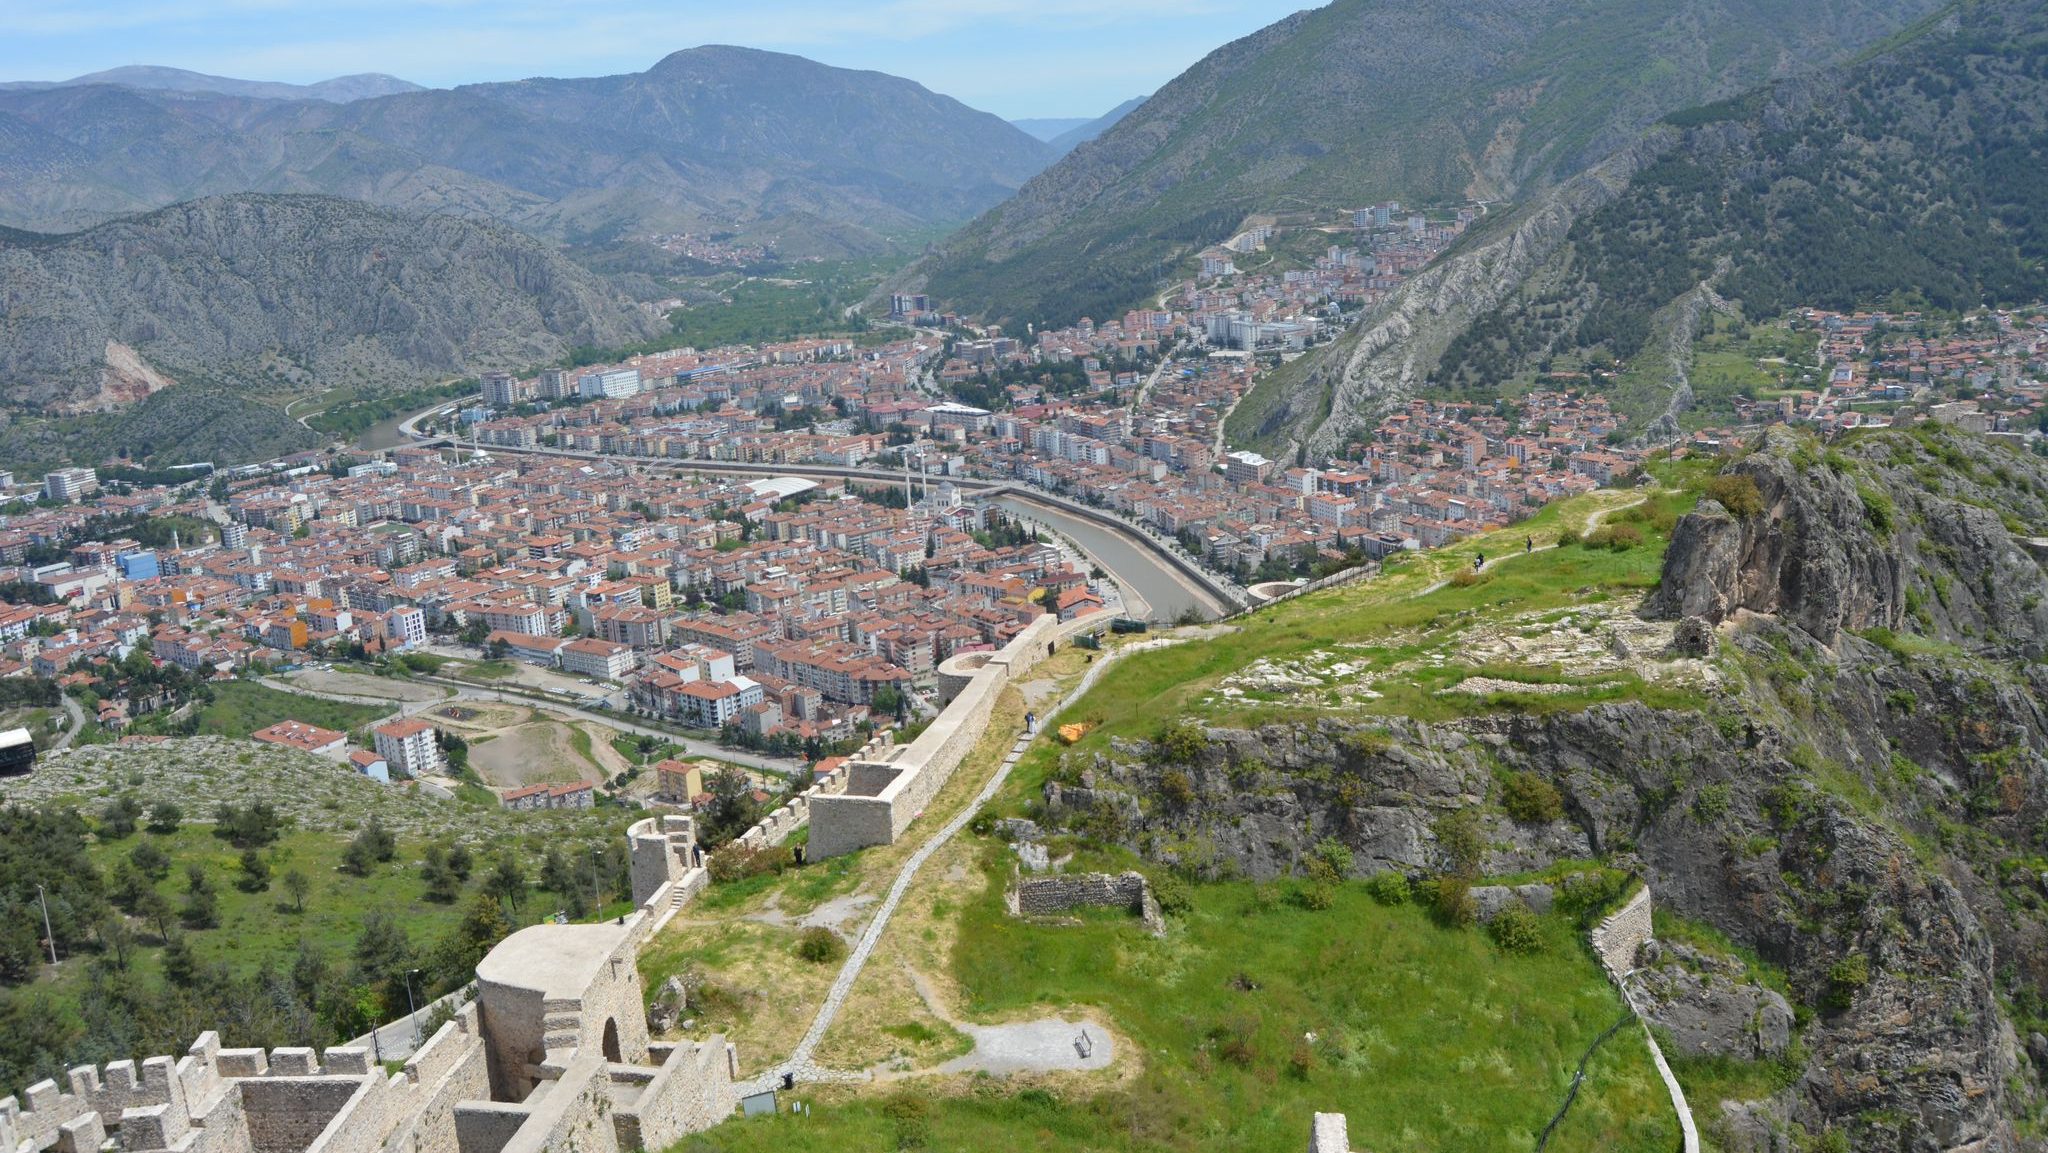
{"x":1015,"y":58}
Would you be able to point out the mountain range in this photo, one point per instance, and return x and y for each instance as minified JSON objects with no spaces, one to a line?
{"x":1370,"y":99}
{"x":776,"y":148}
{"x":1908,"y":175}
{"x":340,"y":89}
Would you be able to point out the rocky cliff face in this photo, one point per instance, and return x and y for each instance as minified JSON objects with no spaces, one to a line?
{"x":1867,"y":535}
{"x":1354,"y":382}
{"x":251,"y":286}
{"x":1860,"y":802}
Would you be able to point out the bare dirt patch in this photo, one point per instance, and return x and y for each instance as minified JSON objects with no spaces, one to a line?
{"x":540,"y":752}
{"x":368,"y":687}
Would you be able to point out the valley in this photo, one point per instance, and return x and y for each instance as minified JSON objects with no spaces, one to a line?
{"x":1457,"y":576}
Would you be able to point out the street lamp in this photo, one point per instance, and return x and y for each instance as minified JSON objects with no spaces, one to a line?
{"x":596,"y":898}
{"x":411,"y":1009}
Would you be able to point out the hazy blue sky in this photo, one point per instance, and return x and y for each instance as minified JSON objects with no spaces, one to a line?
{"x":1015,"y":58}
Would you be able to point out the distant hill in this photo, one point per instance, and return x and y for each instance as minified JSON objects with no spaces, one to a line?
{"x":1046,"y":128}
{"x":1087,"y":130}
{"x":713,"y":139}
{"x":244,"y":295}
{"x":1367,"y":99}
{"x":339,"y":90}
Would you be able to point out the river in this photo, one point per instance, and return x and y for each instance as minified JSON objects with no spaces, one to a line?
{"x":1165,"y":593}
{"x":1154,"y":590}
{"x":385,"y":433}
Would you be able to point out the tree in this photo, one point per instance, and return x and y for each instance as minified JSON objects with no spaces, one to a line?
{"x":507,"y":882}
{"x":164,"y":818}
{"x":297,"y":886}
{"x":443,"y":886}
{"x":202,"y":903}
{"x":118,"y":819}
{"x":383,"y":954}
{"x":117,"y":939}
{"x":180,"y":967}
{"x":255,"y":872}
{"x":733,"y":809}
{"x":460,"y":862}
{"x":156,"y":908}
{"x":150,"y":859}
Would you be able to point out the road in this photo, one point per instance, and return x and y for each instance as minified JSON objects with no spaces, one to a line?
{"x":71,"y":729}
{"x":1224,"y":595}
{"x":802,"y":1063}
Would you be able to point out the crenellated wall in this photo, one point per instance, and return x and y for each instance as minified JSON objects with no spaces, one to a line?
{"x":551,"y":1055}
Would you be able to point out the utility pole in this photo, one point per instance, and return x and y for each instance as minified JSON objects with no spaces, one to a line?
{"x":49,"y":937}
{"x":411,"y":1009}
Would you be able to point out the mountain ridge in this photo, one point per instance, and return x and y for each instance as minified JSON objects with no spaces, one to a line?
{"x":708,"y":139}
{"x":336,"y":89}
{"x":1365,"y":99}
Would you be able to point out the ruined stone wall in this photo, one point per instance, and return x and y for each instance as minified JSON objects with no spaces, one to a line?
{"x":1045,"y":896}
{"x":572,"y":1116}
{"x":843,"y":824}
{"x":1616,"y":939}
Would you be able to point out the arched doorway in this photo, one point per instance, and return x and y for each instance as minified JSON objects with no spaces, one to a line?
{"x":611,"y":1040}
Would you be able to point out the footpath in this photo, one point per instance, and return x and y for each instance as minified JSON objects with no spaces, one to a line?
{"x":801,"y":1065}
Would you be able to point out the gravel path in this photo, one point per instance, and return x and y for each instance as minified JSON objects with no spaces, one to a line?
{"x":801,"y":1064}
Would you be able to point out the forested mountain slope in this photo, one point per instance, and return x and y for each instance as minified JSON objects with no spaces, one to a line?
{"x":1370,"y":99}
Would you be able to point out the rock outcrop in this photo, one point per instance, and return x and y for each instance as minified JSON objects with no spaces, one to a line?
{"x":1709,"y":1007}
{"x":1857,"y":801}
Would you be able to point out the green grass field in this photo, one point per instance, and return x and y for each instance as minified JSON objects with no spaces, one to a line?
{"x":242,"y":707}
{"x":1255,"y":1013}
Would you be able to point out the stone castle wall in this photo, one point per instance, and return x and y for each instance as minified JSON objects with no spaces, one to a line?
{"x":884,"y":794}
{"x":578,"y":1069}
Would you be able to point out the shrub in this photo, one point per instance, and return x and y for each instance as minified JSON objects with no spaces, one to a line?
{"x":1316,"y":896}
{"x":1589,"y":896}
{"x":1465,"y":578}
{"x":1388,"y":888}
{"x":1454,"y":905}
{"x":820,"y":946}
{"x":1710,"y":804}
{"x":1237,"y":1039}
{"x":1365,"y":744}
{"x":1176,"y":789}
{"x":1615,"y":537}
{"x":1530,"y":799}
{"x":1461,"y":841}
{"x":1846,"y":978}
{"x":1738,"y":494}
{"x":1568,"y":536}
{"x":1181,"y":742}
{"x":1334,"y":853}
{"x":1173,"y":895}
{"x":1516,"y":930}
{"x":738,"y":862}
{"x":911,"y":1116}
{"x":1302,"y":1061}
